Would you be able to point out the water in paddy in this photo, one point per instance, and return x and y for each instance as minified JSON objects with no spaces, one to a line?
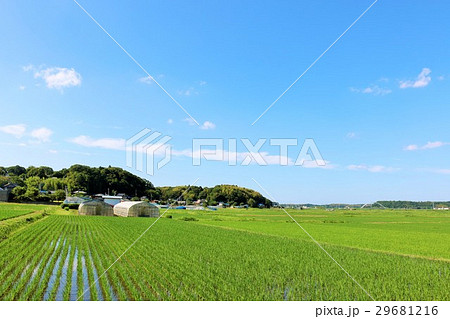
{"x":73,"y":286}
{"x":63,"y":280}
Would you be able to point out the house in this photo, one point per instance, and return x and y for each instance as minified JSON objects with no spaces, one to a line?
{"x":6,"y":190}
{"x":200,"y":201}
{"x":111,"y":199}
{"x":4,"y":195}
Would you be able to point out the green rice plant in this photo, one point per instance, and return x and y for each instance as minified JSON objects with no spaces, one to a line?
{"x":231,"y":255}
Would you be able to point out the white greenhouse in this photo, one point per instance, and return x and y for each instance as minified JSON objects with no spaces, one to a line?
{"x":136,"y":209}
{"x":96,"y":208}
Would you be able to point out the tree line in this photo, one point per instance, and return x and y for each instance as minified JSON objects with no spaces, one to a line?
{"x":413,"y":205}
{"x":45,"y":184}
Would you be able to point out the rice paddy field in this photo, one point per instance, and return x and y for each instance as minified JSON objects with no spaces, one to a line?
{"x":229,"y":254}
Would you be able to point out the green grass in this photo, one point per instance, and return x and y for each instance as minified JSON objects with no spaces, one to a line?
{"x":230,"y":255}
{"x":422,"y":233}
{"x":12,"y":210}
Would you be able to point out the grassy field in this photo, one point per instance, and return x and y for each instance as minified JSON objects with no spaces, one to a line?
{"x":8,"y":211}
{"x":229,"y":254}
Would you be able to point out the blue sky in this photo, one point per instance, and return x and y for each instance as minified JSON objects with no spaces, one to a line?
{"x":376,"y":104}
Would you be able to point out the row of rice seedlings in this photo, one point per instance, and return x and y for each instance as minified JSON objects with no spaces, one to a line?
{"x":192,"y":283}
{"x":14,"y":246}
{"x":174,"y":288}
{"x":195,"y":262}
{"x":226,"y":270}
{"x":15,"y":250}
{"x":55,"y":279}
{"x":145,"y":284}
{"x":166,"y":282}
{"x":10,"y":277}
{"x":37,"y":284}
{"x":21,"y":284}
{"x":73,"y":292}
{"x":48,"y":271}
{"x":26,"y":256}
{"x":13,"y":284}
{"x":104,"y":282}
{"x":115,"y":248}
{"x":82,"y":290}
{"x":119,"y":269}
{"x":70,"y":267}
{"x":188,"y":282}
{"x":63,"y":279}
{"x":87,"y":264}
{"x":142,"y":291}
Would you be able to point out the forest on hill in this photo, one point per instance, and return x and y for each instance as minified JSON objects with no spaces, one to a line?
{"x":45,"y":184}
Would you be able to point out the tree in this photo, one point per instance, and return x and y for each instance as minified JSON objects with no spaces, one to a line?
{"x":34,"y":182}
{"x":16,"y":170}
{"x":18,"y":192}
{"x":252,"y":203}
{"x":31,"y":194}
{"x":59,"y":195}
{"x":41,"y":171}
{"x":53,"y":184}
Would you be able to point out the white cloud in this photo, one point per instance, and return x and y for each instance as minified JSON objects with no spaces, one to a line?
{"x":202,"y":83}
{"x":53,"y":151}
{"x":190,"y":121}
{"x":373,"y":89}
{"x":146,"y":80}
{"x":412,"y":147}
{"x":422,"y":80}
{"x":169,"y":121}
{"x":150,"y":79}
{"x":188,"y":92}
{"x":28,"y":67}
{"x":351,"y":135}
{"x":429,"y":145}
{"x":372,"y":169}
{"x":107,"y":143}
{"x":42,"y":134}
{"x":16,"y":130}
{"x":59,"y":78}
{"x":207,"y":125}
{"x":22,"y":87}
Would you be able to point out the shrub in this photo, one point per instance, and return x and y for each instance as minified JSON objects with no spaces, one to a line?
{"x":70,"y":206}
{"x":59,"y":195}
{"x":190,"y":219}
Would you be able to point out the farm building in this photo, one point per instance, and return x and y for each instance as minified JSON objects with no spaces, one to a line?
{"x":4,"y":194}
{"x":95,"y":207}
{"x":136,"y":209}
{"x":111,"y":200}
{"x":6,"y":191}
{"x":74,"y":200}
